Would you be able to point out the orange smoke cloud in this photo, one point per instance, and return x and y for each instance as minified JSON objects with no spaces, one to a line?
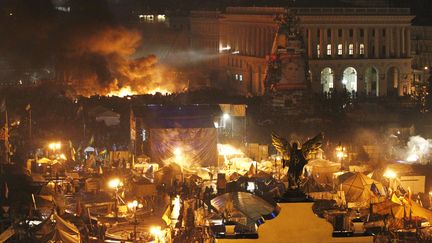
{"x":101,"y":64}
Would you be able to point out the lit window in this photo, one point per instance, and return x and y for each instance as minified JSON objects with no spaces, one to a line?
{"x":161,"y":18}
{"x":351,"y":49}
{"x":329,"y":51}
{"x":318,"y":50}
{"x":240,"y":77}
{"x":362,"y":50}
{"x":340,"y":51}
{"x":237,"y":77}
{"x":148,"y":18}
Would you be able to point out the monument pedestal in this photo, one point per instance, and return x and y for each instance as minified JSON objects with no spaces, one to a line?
{"x":296,"y":223}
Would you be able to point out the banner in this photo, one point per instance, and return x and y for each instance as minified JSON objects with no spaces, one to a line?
{"x":196,"y":145}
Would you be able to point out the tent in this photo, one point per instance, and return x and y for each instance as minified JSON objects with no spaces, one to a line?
{"x":65,"y":232}
{"x":311,"y":185}
{"x":360,"y":188}
{"x":411,"y":209}
{"x":46,"y":161}
{"x":252,"y":207}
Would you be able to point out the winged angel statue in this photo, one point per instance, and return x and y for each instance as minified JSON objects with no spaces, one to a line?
{"x":294,"y":157}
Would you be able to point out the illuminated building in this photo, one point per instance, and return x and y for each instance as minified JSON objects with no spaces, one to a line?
{"x":365,"y":50}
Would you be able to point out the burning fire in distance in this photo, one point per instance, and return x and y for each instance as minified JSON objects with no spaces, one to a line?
{"x":104,"y":64}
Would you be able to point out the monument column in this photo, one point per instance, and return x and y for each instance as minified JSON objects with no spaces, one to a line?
{"x":309,"y":40}
{"x":403,"y":42}
{"x":408,"y":41}
{"x":366,"y":42}
{"x":387,"y":41}
{"x":398,"y":41}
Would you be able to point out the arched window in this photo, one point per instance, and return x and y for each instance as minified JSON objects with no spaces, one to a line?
{"x":327,"y":77}
{"x":371,"y":82}
{"x":349,"y":79}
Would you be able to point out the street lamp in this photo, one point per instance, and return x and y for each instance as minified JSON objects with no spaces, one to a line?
{"x":133,"y":207}
{"x":115,"y":184}
{"x":390,"y":175}
{"x":341,"y":155}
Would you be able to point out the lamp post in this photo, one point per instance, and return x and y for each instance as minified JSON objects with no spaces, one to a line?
{"x":133,"y":207}
{"x":341,"y":155}
{"x":115,"y":184}
{"x":391,"y":176}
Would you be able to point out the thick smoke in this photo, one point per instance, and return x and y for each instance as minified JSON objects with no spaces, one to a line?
{"x":83,"y":48}
{"x":100,"y":64}
{"x":417,"y":150}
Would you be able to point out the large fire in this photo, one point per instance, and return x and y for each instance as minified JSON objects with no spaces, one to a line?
{"x":128,"y":91}
{"x":105,"y":63}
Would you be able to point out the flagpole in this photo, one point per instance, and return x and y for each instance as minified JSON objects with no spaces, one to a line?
{"x":6,"y":138}
{"x":30,"y":123}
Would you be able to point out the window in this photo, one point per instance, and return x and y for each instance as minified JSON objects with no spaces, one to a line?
{"x":351,"y":33}
{"x":240,"y":77}
{"x":384,"y":32}
{"x":362,"y":50}
{"x":318,"y":34}
{"x":236,"y":77}
{"x":329,"y":33}
{"x":340,"y":32}
{"x":361,"y":32}
{"x":329,"y":50}
{"x":373,"y":32}
{"x":318,"y":50}
{"x":340,"y":51}
{"x":351,"y":49}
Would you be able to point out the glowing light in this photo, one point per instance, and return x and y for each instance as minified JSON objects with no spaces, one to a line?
{"x":226,"y":116}
{"x":228,"y":150}
{"x":156,"y":231}
{"x":177,"y":151}
{"x":62,"y":156}
{"x":133,"y":205}
{"x":128,"y":91}
{"x":224,"y":48}
{"x":412,"y":158}
{"x":54,"y":146}
{"x":159,"y":90}
{"x":176,"y":208}
{"x":341,"y":152}
{"x":390,"y":174}
{"x":115,"y":183}
{"x":426,"y":68}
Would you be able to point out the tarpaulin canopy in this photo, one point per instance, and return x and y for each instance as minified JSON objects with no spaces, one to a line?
{"x":251,"y":206}
{"x":311,"y":185}
{"x":360,"y":188}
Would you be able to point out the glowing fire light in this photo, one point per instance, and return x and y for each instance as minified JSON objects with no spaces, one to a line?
{"x":127,"y":91}
{"x":390,"y":174}
{"x":412,"y":158}
{"x":227,"y":150}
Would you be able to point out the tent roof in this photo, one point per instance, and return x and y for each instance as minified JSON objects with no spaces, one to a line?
{"x":357,"y":188}
{"x":253,"y":207}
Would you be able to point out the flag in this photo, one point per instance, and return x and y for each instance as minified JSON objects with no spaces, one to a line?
{"x":28,"y":107}
{"x":375,"y":190}
{"x":80,"y":109}
{"x":91,"y":141}
{"x":395,"y":199}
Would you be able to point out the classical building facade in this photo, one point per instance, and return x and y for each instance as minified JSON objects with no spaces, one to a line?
{"x":363,"y":50}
